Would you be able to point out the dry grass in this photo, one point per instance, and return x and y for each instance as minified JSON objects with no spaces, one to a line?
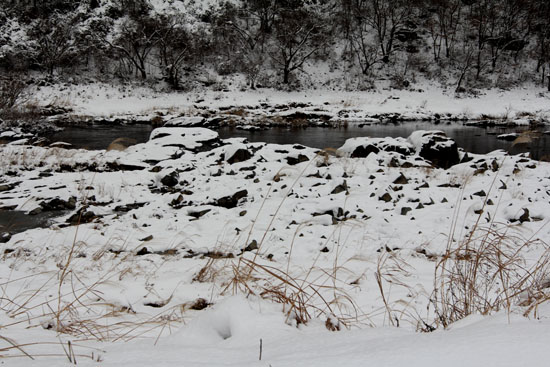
{"x":489,"y":270}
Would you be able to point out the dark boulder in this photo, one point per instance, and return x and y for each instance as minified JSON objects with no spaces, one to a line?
{"x":363,"y":151}
{"x":240,"y":155}
{"x":436,"y":147}
{"x":231,"y":201}
{"x":292,"y":161}
{"x":170,"y":179}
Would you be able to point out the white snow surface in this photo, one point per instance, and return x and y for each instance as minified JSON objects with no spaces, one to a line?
{"x":137,"y":269}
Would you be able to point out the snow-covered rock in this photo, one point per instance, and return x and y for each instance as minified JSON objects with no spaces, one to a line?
{"x":436,"y":147}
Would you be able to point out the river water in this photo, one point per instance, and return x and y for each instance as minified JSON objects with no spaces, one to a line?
{"x":471,"y":138}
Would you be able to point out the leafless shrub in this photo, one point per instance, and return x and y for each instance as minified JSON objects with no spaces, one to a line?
{"x":12,"y":91}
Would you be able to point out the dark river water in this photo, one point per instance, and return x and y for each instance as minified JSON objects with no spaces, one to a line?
{"x":471,"y":138}
{"x":99,"y":136}
{"x":14,"y":221}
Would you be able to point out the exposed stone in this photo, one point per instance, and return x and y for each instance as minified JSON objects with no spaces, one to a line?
{"x":121,"y":144}
{"x":82,"y":216}
{"x":170,"y":179}
{"x":340,"y":188}
{"x":240,"y":155}
{"x":401,"y":180}
{"x":386,"y":197}
{"x":128,"y":207}
{"x":251,"y":246}
{"x":143,"y":251}
{"x":199,"y":304}
{"x":58,"y":204}
{"x":436,"y":147}
{"x":116,"y":166}
{"x":231,"y":201}
{"x":405,"y":210}
{"x":295,"y":160}
{"x":363,"y":151}
{"x":525,"y":216}
{"x":199,"y":213}
{"x":5,"y":237}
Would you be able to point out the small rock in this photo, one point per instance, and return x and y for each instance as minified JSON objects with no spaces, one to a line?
{"x":171,"y":179}
{"x":364,"y":151}
{"x":146,"y":239}
{"x":405,"y":210}
{"x":525,"y":216}
{"x":340,"y":188}
{"x":5,"y":237}
{"x":386,"y":197}
{"x":199,"y":304}
{"x":128,"y":207}
{"x":58,"y":204}
{"x":251,"y":246}
{"x":480,"y":193}
{"x":293,"y":160}
{"x":198,"y":214}
{"x":240,"y":155}
{"x":82,"y":216}
{"x":401,"y":180}
{"x":143,"y":251}
{"x":229,"y":202}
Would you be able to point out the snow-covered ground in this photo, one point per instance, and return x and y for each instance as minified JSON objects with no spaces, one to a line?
{"x":190,"y":250}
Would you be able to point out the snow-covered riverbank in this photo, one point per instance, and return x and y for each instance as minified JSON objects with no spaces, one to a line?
{"x":428,"y":101}
{"x":223,"y":242}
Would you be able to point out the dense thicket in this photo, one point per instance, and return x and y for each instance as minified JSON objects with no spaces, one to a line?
{"x":463,"y":43}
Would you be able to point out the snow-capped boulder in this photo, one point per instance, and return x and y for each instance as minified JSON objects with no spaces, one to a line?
{"x":436,"y":147}
{"x":193,"y":139}
{"x":363,"y":146}
{"x":236,"y":153}
{"x":186,"y":121}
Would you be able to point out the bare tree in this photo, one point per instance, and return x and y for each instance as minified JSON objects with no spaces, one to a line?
{"x":134,"y":41}
{"x":362,"y":45}
{"x":55,"y":43}
{"x":174,"y":45}
{"x":243,"y":31}
{"x":386,"y":18}
{"x":298,"y":35}
{"x":443,"y":25}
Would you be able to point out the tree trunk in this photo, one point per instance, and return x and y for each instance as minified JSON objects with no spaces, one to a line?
{"x":286,"y":76}
{"x":142,"y":69}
